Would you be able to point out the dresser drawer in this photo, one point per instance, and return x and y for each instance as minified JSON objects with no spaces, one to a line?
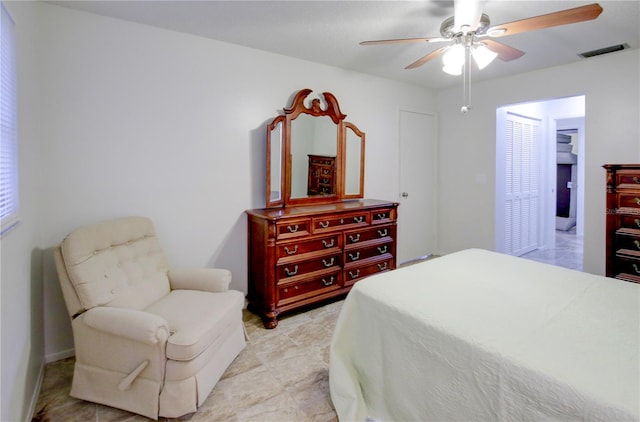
{"x":629,"y":200}
{"x":340,"y":222}
{"x":630,"y":221}
{"x":296,"y":270}
{"x":628,"y":240}
{"x":292,"y":228}
{"x":353,"y":274}
{"x":354,"y":238}
{"x":628,"y":266}
{"x":292,"y":250}
{"x":627,"y":179}
{"x":384,"y":215}
{"x":292,"y":292}
{"x":355,"y":255}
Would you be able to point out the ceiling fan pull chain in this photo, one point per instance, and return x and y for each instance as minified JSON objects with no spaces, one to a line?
{"x":466,"y":80}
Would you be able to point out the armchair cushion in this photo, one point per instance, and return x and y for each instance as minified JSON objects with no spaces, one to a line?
{"x":196,"y":319}
{"x":205,"y":279}
{"x":118,"y":264}
{"x":128,"y":323}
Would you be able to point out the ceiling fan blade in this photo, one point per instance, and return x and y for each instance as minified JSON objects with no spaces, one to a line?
{"x":404,"y":40}
{"x":505,"y":53}
{"x":563,"y":17}
{"x":426,"y":58}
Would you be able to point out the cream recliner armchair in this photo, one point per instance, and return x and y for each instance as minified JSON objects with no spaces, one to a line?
{"x":147,"y":339}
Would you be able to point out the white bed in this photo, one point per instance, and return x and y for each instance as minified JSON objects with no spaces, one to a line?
{"x":477,"y":335}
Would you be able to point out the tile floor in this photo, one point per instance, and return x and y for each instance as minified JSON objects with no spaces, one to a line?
{"x":282,"y":375}
{"x":567,"y":253}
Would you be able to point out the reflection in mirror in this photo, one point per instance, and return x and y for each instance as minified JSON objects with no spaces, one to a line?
{"x":275,"y":153}
{"x":312,"y":136}
{"x":354,"y":162}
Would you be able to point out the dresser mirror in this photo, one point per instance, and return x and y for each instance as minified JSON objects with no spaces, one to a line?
{"x":313,"y":155}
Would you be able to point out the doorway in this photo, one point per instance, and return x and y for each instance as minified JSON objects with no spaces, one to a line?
{"x":418,"y":172}
{"x":561,"y":176}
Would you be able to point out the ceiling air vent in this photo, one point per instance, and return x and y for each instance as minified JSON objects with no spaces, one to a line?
{"x":605,"y":50}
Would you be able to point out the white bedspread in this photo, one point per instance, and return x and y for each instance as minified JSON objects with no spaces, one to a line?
{"x":478,"y":335}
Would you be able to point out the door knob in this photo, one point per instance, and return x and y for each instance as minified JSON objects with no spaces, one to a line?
{"x":405,"y":194}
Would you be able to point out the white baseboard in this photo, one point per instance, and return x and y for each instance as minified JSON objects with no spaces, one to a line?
{"x":52,"y":357}
{"x":36,"y":392}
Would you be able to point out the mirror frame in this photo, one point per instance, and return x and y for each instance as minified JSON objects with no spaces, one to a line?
{"x":298,"y":107}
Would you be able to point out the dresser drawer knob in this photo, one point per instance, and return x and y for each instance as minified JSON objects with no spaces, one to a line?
{"x":354,"y":257}
{"x":292,"y":229}
{"x":382,"y":266}
{"x":383,"y":233}
{"x":291,"y":252}
{"x":286,"y":290}
{"x":328,"y":264}
{"x":354,"y":275}
{"x":637,"y":221}
{"x":636,"y":200}
{"x":382,"y":216}
{"x":290,"y":273}
{"x":328,"y":244}
{"x":328,"y":282}
{"x":359,"y":219}
{"x":324,"y":224}
{"x":636,"y":269}
{"x":636,"y":179}
{"x":354,"y":239}
{"x":637,"y":243}
{"x":383,"y":249}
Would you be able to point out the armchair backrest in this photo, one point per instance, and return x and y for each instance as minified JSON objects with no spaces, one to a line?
{"x":115,"y":263}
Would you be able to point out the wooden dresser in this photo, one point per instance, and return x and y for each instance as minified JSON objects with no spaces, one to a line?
{"x":623,"y":221}
{"x":322,"y":175}
{"x":302,"y":255}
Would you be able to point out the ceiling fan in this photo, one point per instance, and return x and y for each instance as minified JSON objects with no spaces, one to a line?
{"x":469,"y":31}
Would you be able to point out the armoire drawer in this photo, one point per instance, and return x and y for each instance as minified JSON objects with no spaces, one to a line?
{"x":627,"y":179}
{"x":630,"y":222}
{"x":629,"y":200}
{"x":628,"y":265}
{"x":627,"y":239}
{"x":292,"y":292}
{"x":294,"y":250}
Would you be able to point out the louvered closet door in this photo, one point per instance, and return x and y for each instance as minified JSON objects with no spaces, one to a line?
{"x":522,"y":199}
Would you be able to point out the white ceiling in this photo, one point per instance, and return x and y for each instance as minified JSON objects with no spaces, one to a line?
{"x":329,"y":32}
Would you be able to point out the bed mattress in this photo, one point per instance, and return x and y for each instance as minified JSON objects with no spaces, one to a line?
{"x":478,"y":335}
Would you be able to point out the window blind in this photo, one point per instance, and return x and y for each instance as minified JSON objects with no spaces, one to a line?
{"x":8,"y":124}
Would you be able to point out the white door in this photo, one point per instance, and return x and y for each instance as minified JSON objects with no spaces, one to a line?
{"x":522,"y":191}
{"x":417,"y":211}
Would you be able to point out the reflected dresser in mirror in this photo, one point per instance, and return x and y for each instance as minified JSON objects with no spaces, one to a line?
{"x":316,"y":236}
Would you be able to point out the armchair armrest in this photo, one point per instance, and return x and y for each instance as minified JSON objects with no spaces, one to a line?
{"x":128,"y":323}
{"x":205,"y":279}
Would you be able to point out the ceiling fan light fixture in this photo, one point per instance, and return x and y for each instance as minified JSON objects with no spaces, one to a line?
{"x":453,"y":60}
{"x":454,"y":56}
{"x":483,"y":56}
{"x":453,"y":70}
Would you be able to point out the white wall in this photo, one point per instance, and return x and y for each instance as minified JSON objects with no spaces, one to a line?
{"x":139,"y":120}
{"x":467,"y":145}
{"x":21,"y":287}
